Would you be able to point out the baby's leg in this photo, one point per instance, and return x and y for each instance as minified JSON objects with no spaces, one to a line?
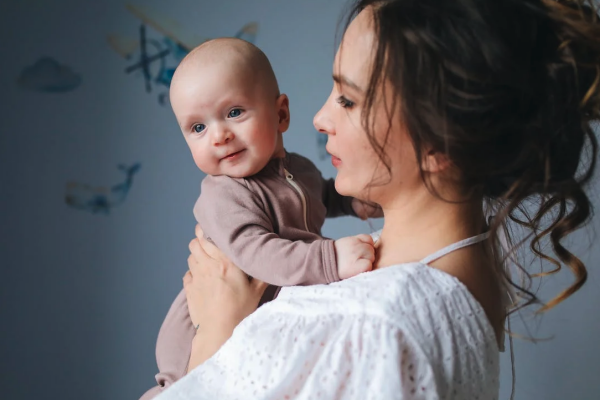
{"x":173,"y":346}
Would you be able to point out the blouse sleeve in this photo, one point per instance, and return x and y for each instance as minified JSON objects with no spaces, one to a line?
{"x":383,"y":363}
{"x":370,"y":360}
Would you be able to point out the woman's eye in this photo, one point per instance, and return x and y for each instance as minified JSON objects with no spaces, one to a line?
{"x":236,"y":112}
{"x":344,"y":102}
{"x":199,"y":128}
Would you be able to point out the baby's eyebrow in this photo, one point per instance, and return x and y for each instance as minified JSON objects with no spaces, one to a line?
{"x":187,"y":121}
{"x":342,"y":80}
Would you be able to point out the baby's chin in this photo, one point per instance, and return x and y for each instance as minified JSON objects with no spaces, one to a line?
{"x":241,"y":171}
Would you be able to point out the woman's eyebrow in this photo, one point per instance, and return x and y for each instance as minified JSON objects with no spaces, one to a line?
{"x":342,"y":80}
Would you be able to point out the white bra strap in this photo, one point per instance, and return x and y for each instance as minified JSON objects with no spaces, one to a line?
{"x":455,"y":246}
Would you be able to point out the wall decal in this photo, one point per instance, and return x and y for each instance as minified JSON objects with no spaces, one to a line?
{"x":48,"y":75}
{"x":100,"y":199}
{"x":155,"y":55}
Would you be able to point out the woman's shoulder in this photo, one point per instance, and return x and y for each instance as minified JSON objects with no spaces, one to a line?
{"x":418,"y":289}
{"x":407,"y":295}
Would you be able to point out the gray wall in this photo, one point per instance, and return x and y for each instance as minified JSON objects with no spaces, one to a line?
{"x":83,"y":294}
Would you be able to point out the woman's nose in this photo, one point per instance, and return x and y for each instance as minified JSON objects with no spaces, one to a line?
{"x":323,"y":122}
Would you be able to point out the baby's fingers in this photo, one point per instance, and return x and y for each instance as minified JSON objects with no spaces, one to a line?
{"x":368,"y":253}
{"x":364,"y":238}
{"x":364,"y":265}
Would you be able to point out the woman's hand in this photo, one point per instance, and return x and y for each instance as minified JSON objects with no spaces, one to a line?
{"x":219,"y":297}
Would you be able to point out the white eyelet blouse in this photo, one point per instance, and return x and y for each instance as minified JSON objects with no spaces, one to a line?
{"x":407,"y":331}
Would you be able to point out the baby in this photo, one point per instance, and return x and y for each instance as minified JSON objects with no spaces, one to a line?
{"x":262,"y":206}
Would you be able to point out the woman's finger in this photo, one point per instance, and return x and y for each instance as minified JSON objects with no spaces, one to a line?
{"x":193,"y":245}
{"x":187,"y":278}
{"x":198,"y":261}
{"x":204,"y":263}
{"x":209,"y":247}
{"x":211,"y":250}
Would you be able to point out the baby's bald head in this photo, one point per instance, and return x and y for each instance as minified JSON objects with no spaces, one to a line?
{"x":227,"y":103}
{"x":233,"y":56}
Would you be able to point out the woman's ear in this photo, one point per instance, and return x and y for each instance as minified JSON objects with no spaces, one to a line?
{"x":435,"y":161}
{"x":283,"y":112}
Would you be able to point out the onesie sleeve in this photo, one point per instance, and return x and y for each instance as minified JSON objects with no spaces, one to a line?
{"x":234,"y":219}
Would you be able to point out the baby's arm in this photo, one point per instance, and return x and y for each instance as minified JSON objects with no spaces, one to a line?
{"x":235,"y":219}
{"x":338,"y":205}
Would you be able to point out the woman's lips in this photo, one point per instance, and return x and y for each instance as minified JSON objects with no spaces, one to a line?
{"x":335,"y":161}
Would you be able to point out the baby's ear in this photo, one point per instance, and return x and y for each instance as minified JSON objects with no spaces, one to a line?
{"x":283,"y":112}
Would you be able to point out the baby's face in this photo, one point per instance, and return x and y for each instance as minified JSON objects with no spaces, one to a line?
{"x":229,"y":124}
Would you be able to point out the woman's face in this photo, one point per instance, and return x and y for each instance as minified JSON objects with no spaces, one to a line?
{"x":357,"y":163}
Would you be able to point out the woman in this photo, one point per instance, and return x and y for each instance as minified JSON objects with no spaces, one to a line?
{"x":437,"y":107}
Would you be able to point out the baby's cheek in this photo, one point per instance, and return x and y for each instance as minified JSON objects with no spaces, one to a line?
{"x":205,"y":165}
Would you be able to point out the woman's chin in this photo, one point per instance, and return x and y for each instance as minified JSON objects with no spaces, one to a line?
{"x":344,"y":187}
{"x":350,"y":187}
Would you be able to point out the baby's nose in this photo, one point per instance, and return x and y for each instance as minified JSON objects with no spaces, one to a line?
{"x":222,"y":136}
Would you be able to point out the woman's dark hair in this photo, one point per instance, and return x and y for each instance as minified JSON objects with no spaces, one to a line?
{"x":507,"y":90}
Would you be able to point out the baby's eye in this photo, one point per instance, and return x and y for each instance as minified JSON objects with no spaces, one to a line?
{"x":236,"y":112}
{"x":199,"y":128}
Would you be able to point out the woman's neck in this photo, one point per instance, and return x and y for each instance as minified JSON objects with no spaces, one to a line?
{"x":423,"y":225}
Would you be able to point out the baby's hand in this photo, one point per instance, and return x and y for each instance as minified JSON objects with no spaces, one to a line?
{"x":355,"y":254}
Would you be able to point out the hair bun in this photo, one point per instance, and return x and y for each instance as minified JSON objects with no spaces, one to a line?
{"x":577,"y":30}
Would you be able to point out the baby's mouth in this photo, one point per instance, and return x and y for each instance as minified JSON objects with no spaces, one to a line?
{"x":233,"y":155}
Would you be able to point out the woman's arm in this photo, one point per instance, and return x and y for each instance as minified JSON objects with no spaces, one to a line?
{"x":206,"y":344}
{"x":219,"y":297}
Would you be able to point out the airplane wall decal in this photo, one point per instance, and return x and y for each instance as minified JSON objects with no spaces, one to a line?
{"x":157,"y":59}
